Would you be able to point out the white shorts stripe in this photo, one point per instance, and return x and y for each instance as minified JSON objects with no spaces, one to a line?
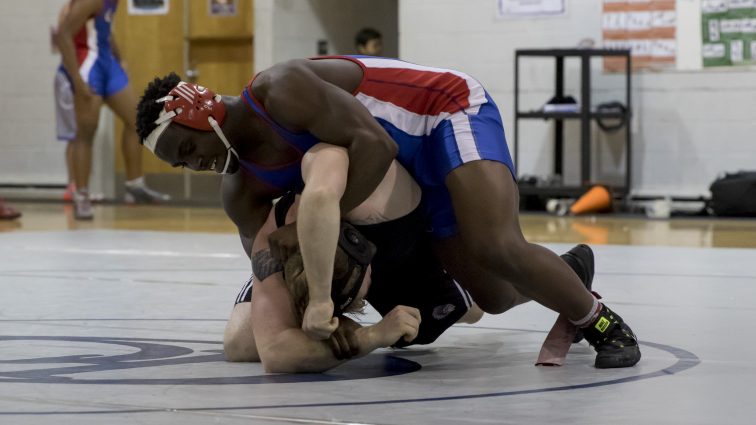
{"x":464,"y":137}
{"x":406,"y":121}
{"x":465,"y":295}
{"x":245,"y":290}
{"x":91,"y":58}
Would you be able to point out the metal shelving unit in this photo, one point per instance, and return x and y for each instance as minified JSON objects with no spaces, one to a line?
{"x":585,"y":115}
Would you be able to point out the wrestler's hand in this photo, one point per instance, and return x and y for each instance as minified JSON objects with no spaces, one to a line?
{"x":344,"y":341}
{"x":283,"y":242}
{"x":318,"y":321}
{"x":400,"y":323}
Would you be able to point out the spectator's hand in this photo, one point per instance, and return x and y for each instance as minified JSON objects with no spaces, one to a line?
{"x":344,"y":342}
{"x":283,"y":242}
{"x":400,"y":323}
{"x":318,"y":321}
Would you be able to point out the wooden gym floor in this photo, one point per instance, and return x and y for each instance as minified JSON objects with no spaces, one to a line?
{"x":538,"y":228}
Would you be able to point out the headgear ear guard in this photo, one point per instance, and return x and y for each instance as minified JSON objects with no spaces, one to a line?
{"x":359,"y":252}
{"x":193,"y":106}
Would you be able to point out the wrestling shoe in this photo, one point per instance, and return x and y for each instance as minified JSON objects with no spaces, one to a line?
{"x":580,"y":260}
{"x":613,"y":340}
{"x":82,"y":206}
{"x":141,"y":194}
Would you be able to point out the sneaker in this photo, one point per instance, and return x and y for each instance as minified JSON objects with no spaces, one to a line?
{"x":144,"y":195}
{"x":8,"y":213}
{"x":69,"y":193}
{"x":580,"y":259}
{"x":614,"y":341}
{"x":82,"y":206}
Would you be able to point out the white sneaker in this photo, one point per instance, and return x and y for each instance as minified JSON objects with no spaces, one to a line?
{"x":82,"y":206}
{"x":144,"y":195}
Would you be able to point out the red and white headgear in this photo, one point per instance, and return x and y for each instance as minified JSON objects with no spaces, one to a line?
{"x":193,"y":106}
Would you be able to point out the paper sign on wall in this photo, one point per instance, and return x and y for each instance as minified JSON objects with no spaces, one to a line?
{"x":646,"y":27}
{"x":729,"y":32}
{"x":517,"y":8}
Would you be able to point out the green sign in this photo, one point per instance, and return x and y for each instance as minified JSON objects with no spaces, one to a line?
{"x":729,"y":32}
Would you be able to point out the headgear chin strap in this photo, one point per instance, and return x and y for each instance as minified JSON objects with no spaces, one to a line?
{"x":195,"y":107}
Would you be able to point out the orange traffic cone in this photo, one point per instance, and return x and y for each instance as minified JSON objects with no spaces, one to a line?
{"x":597,"y":199}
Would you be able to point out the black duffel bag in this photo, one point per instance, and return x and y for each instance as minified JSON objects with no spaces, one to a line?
{"x":734,"y":194}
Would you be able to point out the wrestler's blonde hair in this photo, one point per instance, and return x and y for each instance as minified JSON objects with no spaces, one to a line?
{"x":296,"y":282}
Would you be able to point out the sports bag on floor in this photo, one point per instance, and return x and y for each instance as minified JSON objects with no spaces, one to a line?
{"x":734,"y":194}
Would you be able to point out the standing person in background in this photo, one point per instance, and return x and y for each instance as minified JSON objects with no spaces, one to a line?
{"x":91,"y":60}
{"x":369,"y":42}
{"x":65,"y":116}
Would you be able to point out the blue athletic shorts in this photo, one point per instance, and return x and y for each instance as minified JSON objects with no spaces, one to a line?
{"x":463,"y":137}
{"x":104,"y":75}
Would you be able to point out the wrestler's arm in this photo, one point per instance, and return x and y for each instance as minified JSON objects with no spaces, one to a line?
{"x":298,"y":99}
{"x":245,"y":206}
{"x":54,"y":30}
{"x":248,"y":209}
{"x":283,"y":347}
{"x":76,"y":17}
{"x":324,"y":171}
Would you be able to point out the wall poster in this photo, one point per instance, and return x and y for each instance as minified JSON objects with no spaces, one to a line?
{"x":646,"y":27}
{"x":519,"y":8}
{"x":729,"y":32}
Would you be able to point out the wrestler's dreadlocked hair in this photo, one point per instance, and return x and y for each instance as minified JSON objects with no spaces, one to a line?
{"x":148,"y":110}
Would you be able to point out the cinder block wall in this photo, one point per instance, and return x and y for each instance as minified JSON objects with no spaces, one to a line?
{"x":689,"y":126}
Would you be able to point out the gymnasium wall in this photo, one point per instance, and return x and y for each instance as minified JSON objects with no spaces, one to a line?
{"x":689,"y":125}
{"x":287,"y":29}
{"x":29,"y":151}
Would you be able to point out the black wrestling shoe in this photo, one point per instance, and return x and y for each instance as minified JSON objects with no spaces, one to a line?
{"x":580,"y":259}
{"x":613,"y":340}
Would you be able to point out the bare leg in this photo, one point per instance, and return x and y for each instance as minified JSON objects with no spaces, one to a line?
{"x":238,"y":339}
{"x":124,"y":105}
{"x":87,"y":118}
{"x":70,"y":161}
{"x":506,"y":296}
{"x":491,"y":240}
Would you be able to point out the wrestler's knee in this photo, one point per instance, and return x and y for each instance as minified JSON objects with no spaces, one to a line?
{"x":238,"y":339}
{"x":237,"y":348}
{"x":503,"y":253}
{"x":85,"y":131}
{"x":500,"y":297}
